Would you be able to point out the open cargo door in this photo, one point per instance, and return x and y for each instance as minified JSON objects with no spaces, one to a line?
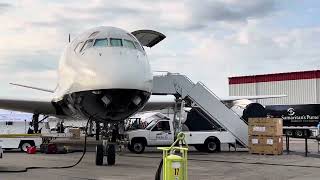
{"x":148,"y":38}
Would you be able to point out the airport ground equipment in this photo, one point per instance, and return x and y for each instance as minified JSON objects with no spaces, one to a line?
{"x":160,"y":132}
{"x":175,"y":160}
{"x":201,"y":96}
{"x":20,"y":141}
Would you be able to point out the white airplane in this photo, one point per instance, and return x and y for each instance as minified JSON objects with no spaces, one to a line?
{"x":104,"y":74}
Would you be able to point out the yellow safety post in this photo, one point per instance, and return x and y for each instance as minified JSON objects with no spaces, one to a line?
{"x":175,"y":160}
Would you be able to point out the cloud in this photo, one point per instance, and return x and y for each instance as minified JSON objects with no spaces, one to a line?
{"x":207,"y":41}
{"x":4,"y":7}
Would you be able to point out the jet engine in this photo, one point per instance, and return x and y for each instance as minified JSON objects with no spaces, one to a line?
{"x":247,"y":109}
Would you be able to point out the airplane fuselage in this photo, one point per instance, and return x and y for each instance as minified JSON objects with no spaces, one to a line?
{"x":104,"y":74}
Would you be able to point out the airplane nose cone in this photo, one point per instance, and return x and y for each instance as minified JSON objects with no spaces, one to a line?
{"x":114,"y":68}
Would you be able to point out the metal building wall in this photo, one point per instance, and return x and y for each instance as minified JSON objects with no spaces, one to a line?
{"x":306,"y":91}
{"x":318,"y":91}
{"x":297,"y":91}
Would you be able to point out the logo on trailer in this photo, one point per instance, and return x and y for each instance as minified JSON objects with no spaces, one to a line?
{"x":291,"y":111}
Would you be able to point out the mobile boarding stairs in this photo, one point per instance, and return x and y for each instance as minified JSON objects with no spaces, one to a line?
{"x":181,"y":86}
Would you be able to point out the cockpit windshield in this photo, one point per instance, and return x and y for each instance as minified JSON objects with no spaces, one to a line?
{"x":101,"y":43}
{"x":107,"y":42}
{"x":115,"y":42}
{"x":128,"y":44}
{"x":87,"y":44}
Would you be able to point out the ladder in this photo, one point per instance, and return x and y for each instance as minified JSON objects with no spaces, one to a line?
{"x":204,"y":98}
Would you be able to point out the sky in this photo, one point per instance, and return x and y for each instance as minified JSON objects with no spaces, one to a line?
{"x":207,"y":40}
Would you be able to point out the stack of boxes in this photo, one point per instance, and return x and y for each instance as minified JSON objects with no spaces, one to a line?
{"x":265,"y":136}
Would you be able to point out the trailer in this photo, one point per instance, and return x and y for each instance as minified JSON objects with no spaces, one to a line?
{"x":299,"y":121}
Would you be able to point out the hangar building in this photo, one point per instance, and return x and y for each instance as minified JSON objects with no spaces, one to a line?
{"x":300,"y":87}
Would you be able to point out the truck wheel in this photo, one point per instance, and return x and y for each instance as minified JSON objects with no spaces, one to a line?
{"x":130,"y":148}
{"x":99,"y":155}
{"x":212,"y":145}
{"x":299,"y":133}
{"x":25,"y":144}
{"x":138,"y":147}
{"x":111,"y":157}
{"x":289,"y":132}
{"x":199,"y":147}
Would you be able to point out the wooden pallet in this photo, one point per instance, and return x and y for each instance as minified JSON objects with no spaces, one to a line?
{"x":266,"y":153}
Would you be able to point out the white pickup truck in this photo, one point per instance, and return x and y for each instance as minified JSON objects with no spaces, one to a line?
{"x":161,"y":133}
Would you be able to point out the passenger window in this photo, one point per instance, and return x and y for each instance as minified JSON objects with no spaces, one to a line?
{"x":115,"y":42}
{"x":101,"y":42}
{"x":128,"y":44}
{"x":87,"y":45}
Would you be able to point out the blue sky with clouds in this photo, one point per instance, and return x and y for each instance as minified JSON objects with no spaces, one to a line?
{"x":208,"y":40}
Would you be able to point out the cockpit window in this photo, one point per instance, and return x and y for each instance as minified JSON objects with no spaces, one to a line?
{"x":101,"y":42}
{"x":87,"y":44}
{"x":78,"y":47}
{"x":115,"y":42}
{"x":93,"y":34}
{"x":138,"y":46}
{"x":128,"y":44}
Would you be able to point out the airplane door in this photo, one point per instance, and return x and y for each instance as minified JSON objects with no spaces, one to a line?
{"x":148,"y":38}
{"x":161,"y":134}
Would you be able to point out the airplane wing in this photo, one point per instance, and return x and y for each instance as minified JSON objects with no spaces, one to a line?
{"x":234,"y":98}
{"x":31,"y":87}
{"x":29,"y":106}
{"x":148,"y":38}
{"x":158,"y":103}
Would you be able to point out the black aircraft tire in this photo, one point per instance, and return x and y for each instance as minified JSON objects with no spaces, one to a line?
{"x":111,"y":157}
{"x":99,"y":155}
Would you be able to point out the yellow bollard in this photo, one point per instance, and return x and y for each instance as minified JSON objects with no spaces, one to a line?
{"x":175,"y":163}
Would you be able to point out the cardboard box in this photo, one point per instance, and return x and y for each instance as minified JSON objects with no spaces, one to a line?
{"x":75,"y":132}
{"x":272,"y":145}
{"x":265,"y":126}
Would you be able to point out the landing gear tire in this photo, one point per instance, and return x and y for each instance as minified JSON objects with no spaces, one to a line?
{"x":111,"y":157}
{"x":99,"y":155}
{"x":212,"y":145}
{"x":138,"y":147}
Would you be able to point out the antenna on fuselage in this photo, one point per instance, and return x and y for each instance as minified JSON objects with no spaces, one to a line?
{"x":69,"y":38}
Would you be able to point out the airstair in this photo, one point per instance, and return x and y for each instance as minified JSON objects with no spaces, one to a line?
{"x":200,"y":95}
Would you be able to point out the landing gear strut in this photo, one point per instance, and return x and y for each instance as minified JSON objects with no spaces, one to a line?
{"x":108,"y":146}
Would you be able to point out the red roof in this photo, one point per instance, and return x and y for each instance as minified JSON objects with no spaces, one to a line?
{"x":275,"y":77}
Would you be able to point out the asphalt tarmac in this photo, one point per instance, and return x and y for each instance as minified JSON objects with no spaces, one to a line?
{"x":224,"y":165}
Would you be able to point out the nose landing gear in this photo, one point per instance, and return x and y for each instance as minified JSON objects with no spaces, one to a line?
{"x":108,"y":147}
{"x":106,"y":150}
